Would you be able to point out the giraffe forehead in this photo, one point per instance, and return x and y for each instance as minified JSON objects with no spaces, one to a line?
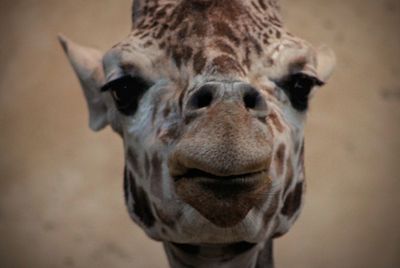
{"x":214,"y":36}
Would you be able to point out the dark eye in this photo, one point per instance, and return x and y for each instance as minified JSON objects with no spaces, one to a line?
{"x":298,"y":86}
{"x":126,"y":92}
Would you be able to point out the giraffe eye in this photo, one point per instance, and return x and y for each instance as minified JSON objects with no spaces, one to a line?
{"x":126,"y":92}
{"x":298,"y":87}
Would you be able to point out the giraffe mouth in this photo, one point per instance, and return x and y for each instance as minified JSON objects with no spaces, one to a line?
{"x":228,"y":186}
{"x":205,"y":177}
{"x":223,"y":200}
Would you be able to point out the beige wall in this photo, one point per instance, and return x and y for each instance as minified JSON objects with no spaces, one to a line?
{"x":61,"y":185}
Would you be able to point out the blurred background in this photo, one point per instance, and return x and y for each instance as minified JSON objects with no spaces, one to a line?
{"x":61,"y":201}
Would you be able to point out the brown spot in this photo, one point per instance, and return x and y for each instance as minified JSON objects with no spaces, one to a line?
{"x":256,"y":7}
{"x":262,"y":4}
{"x":199,"y":61}
{"x":301,"y":156}
{"x":246,"y":28}
{"x":276,"y":121}
{"x":152,"y":10}
{"x":293,"y":200}
{"x":289,"y":174}
{"x":199,"y":28}
{"x":162,"y":45}
{"x":255,"y":22}
{"x":182,"y":33}
{"x":167,"y":110}
{"x":247,"y":61}
{"x":177,"y":56}
{"x":255,"y":44}
{"x":126,"y":46}
{"x":141,"y":205}
{"x":226,"y":64}
{"x":147,"y":44}
{"x":140,"y":25}
{"x":203,"y":3}
{"x":154,"y":24}
{"x":223,"y":29}
{"x":280,"y":159}
{"x":265,"y":38}
{"x":179,"y":14}
{"x":275,"y":20}
{"x":224,"y":47}
{"x":264,"y":23}
{"x":186,"y":53}
{"x":160,"y":14}
{"x":161,"y":31}
{"x":228,"y":10}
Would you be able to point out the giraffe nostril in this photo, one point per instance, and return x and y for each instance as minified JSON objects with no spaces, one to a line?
{"x":253,"y":100}
{"x":203,"y":97}
{"x":250,"y":100}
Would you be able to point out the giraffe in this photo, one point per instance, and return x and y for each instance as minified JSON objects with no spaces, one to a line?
{"x":210,"y":99}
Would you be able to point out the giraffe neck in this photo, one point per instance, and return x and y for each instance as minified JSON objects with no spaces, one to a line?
{"x":238,"y":255}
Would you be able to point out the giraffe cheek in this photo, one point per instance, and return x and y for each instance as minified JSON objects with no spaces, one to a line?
{"x":137,"y":201}
{"x":293,"y":201}
{"x":272,"y":208}
{"x":279,"y":160}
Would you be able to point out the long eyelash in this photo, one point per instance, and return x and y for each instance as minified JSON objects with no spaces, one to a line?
{"x":115,"y":83}
{"x":315,"y":80}
{"x":298,"y":95}
{"x":318,"y":82}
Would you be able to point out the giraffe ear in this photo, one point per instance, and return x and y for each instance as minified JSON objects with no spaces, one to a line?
{"x":87,"y":64}
{"x":326,"y":62}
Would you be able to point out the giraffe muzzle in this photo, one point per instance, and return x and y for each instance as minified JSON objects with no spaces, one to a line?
{"x":221,"y":165}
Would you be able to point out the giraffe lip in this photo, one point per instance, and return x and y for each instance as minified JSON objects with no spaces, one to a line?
{"x":204,"y":177}
{"x":223,"y":200}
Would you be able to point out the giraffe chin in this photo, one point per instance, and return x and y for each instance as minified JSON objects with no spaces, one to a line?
{"x":224,"y":202}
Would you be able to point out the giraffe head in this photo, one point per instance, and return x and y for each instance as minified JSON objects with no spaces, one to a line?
{"x":210,"y":99}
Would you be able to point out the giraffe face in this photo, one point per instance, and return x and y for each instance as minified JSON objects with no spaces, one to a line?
{"x":211,"y":112}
